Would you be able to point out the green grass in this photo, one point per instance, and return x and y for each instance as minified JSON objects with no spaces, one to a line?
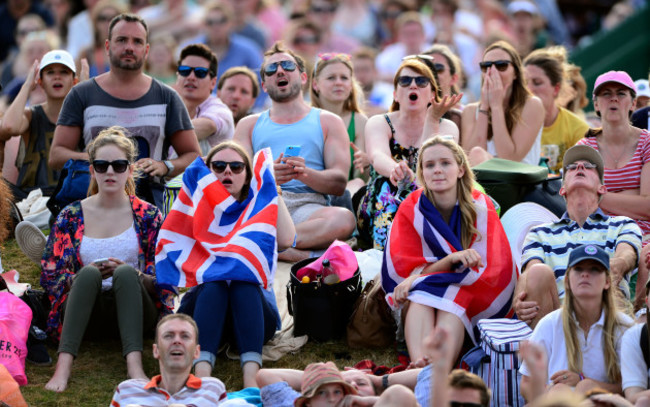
{"x":100,"y":366}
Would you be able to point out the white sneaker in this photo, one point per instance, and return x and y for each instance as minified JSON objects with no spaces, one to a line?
{"x":31,"y":240}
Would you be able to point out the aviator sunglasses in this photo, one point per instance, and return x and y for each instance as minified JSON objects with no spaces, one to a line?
{"x":501,"y":65}
{"x":272,"y":68}
{"x":119,"y":166}
{"x":220,"y":166}
{"x":199,"y":72}
{"x":420,"y":81}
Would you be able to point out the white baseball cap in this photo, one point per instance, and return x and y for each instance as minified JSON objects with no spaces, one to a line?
{"x":58,"y":56}
{"x":642,"y":87}
{"x":522,"y":6}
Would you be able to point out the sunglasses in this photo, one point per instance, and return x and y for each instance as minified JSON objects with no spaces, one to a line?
{"x":220,"y":166}
{"x":199,"y":72}
{"x":272,"y":68}
{"x":305,"y":40}
{"x":324,"y":9}
{"x":105,"y":19}
{"x":216,"y":21}
{"x":119,"y":166}
{"x":574,"y":166}
{"x":390,"y":15}
{"x":420,"y":81}
{"x":501,"y":65}
{"x":463,"y":404}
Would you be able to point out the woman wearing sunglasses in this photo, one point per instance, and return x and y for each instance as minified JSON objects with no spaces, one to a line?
{"x":626,"y":154}
{"x":334,"y":88}
{"x":98,"y":266}
{"x":236,"y":311}
{"x":507,"y":121}
{"x":392,"y":142}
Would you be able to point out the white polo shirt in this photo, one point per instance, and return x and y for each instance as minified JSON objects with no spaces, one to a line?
{"x":634,"y":371}
{"x":550,"y":334}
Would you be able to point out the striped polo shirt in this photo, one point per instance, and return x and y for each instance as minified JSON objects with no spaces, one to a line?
{"x":552,"y":242}
{"x":206,"y":391}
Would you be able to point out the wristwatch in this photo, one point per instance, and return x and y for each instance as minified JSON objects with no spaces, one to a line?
{"x":169,"y":165}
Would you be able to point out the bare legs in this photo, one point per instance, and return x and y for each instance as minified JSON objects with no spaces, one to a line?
{"x":536,"y":294}
{"x":420,"y":321}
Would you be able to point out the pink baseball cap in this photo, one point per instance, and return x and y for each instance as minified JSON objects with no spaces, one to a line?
{"x":615,"y":76}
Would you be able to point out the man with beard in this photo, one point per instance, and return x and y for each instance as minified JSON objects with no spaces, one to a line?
{"x":153,"y":113}
{"x":175,"y":347}
{"x":307,"y":144}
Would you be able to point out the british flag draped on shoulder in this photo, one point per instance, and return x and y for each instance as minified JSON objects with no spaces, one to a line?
{"x":419,"y":236}
{"x":209,"y":236}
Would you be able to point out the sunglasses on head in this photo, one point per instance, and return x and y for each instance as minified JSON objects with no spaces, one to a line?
{"x":220,"y":166}
{"x":587,"y":165}
{"x":272,"y":68}
{"x":501,"y":65}
{"x":420,"y":81}
{"x":119,"y":166}
{"x":199,"y":72}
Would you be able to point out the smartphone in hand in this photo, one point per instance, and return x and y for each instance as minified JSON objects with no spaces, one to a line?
{"x":292,"y":151}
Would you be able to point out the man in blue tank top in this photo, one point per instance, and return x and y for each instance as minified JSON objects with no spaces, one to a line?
{"x":317,"y":170}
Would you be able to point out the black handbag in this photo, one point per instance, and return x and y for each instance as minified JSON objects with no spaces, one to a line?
{"x":319,"y":310}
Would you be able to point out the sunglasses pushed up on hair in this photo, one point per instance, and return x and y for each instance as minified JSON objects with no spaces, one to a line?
{"x":235,"y":166}
{"x":119,"y":166}
{"x":199,"y":72}
{"x":501,"y":65}
{"x":272,"y":68}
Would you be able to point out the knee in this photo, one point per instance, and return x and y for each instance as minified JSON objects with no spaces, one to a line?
{"x":89,"y":274}
{"x":397,"y":395}
{"x":537,"y":279}
{"x":123,"y":272}
{"x":343,"y":222}
{"x":477,"y":155}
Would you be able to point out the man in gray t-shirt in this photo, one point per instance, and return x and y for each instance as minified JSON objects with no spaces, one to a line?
{"x":153,"y":113}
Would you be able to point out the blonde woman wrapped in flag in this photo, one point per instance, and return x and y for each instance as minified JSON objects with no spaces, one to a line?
{"x":447,"y":254}
{"x":222,"y":237}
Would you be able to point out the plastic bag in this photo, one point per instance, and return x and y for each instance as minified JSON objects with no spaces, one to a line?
{"x":15,"y":319}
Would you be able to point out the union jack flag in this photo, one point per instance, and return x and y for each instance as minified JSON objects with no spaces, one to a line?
{"x":419,"y":236}
{"x":209,"y":236}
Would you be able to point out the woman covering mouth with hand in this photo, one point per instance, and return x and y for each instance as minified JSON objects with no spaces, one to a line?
{"x":392,"y":143}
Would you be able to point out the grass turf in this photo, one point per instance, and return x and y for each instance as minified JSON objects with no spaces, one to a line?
{"x":100,"y":366}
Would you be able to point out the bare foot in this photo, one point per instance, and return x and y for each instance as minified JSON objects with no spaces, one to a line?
{"x":134,"y":366}
{"x":59,"y":382}
{"x":293,"y":255}
{"x":203,"y":369}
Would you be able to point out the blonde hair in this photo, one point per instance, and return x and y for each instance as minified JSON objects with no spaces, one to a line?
{"x":236,"y":147}
{"x":612,"y":325}
{"x":113,"y":136}
{"x":422,"y":69}
{"x":351,"y":104}
{"x":464,"y":187}
{"x":520,"y":92}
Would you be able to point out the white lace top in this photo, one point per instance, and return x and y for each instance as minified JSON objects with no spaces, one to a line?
{"x":124,"y":246}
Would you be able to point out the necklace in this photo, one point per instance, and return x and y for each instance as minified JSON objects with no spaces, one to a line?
{"x":611,"y":156}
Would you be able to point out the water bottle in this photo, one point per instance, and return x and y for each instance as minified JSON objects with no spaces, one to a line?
{"x":329,"y":276}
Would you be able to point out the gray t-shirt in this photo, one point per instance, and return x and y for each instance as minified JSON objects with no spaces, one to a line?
{"x":151,"y":119}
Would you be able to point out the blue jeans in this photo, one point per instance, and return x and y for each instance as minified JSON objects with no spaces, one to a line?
{"x":238,"y":309}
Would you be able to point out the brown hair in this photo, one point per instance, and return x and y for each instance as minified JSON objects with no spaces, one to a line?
{"x":550,"y":61}
{"x":236,"y":147}
{"x":240,"y":70}
{"x":202,"y":51}
{"x":520,"y":92}
{"x":422,"y":69}
{"x":464,"y":186}
{"x":129,"y":18}
{"x":97,"y":10}
{"x":279,"y":48}
{"x":454,"y":63}
{"x":461,"y":379}
{"x":115,"y":136}
{"x":182,"y":317}
{"x":351,"y":104}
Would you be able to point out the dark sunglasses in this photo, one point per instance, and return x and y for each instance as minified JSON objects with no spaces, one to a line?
{"x":119,"y":166}
{"x":440,"y":68}
{"x":272,"y":68}
{"x":501,"y":65}
{"x":220,"y":166}
{"x":463,"y":404}
{"x":199,"y":72}
{"x":390,"y":15}
{"x":305,"y":40}
{"x":105,"y":19}
{"x":420,"y":81}
{"x":216,"y":21}
{"x":324,"y":9}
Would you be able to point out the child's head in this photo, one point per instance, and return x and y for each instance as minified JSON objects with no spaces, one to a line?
{"x":56,"y":73}
{"x":322,"y":385}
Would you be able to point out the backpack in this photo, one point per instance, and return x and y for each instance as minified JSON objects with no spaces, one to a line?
{"x":496,"y":359}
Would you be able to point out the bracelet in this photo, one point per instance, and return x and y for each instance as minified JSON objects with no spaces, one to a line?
{"x":485,"y":112}
{"x":582,"y":377}
{"x":295,"y":239}
{"x":278,"y":188}
{"x":384,"y":381}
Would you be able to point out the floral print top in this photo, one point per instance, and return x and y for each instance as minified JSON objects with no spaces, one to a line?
{"x":61,"y":259}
